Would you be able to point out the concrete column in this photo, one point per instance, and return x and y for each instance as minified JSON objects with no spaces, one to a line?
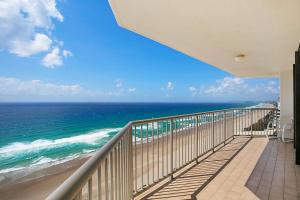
{"x":286,"y":96}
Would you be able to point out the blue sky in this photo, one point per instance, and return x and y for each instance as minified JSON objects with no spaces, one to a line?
{"x":75,"y":51}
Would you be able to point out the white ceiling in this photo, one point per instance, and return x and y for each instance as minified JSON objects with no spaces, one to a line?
{"x":215,"y":31}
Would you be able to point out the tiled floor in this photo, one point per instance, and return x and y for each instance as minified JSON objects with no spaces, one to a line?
{"x":275,"y":175}
{"x":261,"y":169}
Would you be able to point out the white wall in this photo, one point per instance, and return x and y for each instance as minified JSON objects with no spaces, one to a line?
{"x":286,"y":96}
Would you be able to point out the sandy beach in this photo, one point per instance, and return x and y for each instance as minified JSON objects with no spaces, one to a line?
{"x":37,"y":186}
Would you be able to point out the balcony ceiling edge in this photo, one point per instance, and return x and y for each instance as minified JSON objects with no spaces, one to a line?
{"x":217,"y":34}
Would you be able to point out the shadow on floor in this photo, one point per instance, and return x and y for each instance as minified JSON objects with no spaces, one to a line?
{"x":275,"y":174}
{"x":189,"y":183}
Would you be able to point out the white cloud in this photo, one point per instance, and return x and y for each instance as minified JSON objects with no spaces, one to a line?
{"x":234,"y":88}
{"x":272,"y":83}
{"x":271,"y":87}
{"x":131,"y":89}
{"x":170,"y":86}
{"x":53,"y":59}
{"x":67,"y":53}
{"x":15,"y":87}
{"x":193,"y":91}
{"x":227,"y":85}
{"x":26,"y":26}
{"x":40,"y":43}
{"x":12,"y":89}
{"x":119,"y":83}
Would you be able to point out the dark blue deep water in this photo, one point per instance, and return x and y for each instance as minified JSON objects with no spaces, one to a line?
{"x":36,"y":134}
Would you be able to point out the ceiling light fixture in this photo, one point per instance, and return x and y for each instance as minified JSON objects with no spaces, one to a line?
{"x":239,"y":58}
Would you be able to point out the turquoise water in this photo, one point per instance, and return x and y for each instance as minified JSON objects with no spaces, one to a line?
{"x":43,"y":134}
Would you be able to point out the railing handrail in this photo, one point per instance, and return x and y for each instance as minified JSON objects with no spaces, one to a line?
{"x":193,"y":114}
{"x":69,"y":188}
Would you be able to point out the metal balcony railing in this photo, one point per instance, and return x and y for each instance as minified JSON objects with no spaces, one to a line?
{"x":148,"y":151}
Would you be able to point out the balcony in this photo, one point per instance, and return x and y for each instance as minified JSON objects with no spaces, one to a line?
{"x":231,"y":154}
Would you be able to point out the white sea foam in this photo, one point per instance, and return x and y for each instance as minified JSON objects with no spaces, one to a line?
{"x":40,"y":163}
{"x":89,"y":138}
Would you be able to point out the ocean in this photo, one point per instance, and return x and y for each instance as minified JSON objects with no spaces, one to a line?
{"x":38,"y":135}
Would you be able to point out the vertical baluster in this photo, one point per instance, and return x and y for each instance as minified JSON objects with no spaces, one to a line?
{"x":174,"y":155}
{"x":209,"y":142}
{"x":201,"y":136}
{"x":249,"y":119}
{"x":251,"y":122}
{"x":116,"y":171}
{"x":135,"y":160}
{"x":224,"y":118}
{"x":127,"y":165}
{"x":147,"y":135}
{"x":191,"y":137}
{"x":197,"y":138}
{"x":175,"y":136}
{"x":180,"y":135}
{"x":208,"y":132}
{"x":153,"y":170}
{"x":178,"y":139}
{"x":184,"y":143}
{"x":78,"y":196}
{"x":124,"y":167}
{"x":99,"y":183}
{"x":90,"y":189}
{"x":218,"y":133}
{"x":111,"y":176}
{"x":119,"y":171}
{"x":260,"y":124}
{"x":203,"y":132}
{"x":213,"y":132}
{"x":181,"y":144}
{"x":167,"y":154}
{"x":142,"y":155}
{"x":172,"y":152}
{"x":131,"y":166}
{"x":162,"y":149}
{"x":106,"y":179}
{"x":188,"y":140}
{"x":240,"y":120}
{"x":157,"y":131}
{"x":234,"y":123}
{"x":210,"y":126}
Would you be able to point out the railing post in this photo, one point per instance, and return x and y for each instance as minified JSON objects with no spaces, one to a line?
{"x":251,"y":123}
{"x":130,"y":187}
{"x":213,"y":132}
{"x":225,"y":127}
{"x":233,"y":121}
{"x":197,"y":138}
{"x":172,"y":153}
{"x":278,"y":124}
